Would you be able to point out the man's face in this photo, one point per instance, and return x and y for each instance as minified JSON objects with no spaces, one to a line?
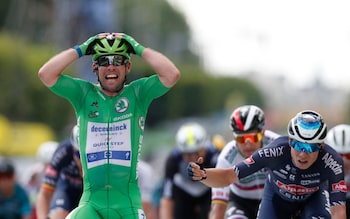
{"x":249,"y":142}
{"x":7,"y":182}
{"x":111,"y":71}
{"x":303,"y":160}
{"x":304,"y":154}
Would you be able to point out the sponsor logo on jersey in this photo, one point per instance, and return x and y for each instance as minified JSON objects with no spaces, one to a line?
{"x":308,"y":181}
{"x":280,"y":174}
{"x":93,"y":114}
{"x":310,"y":175}
{"x":142,"y":122}
{"x":111,"y":128}
{"x":332,"y":164}
{"x":340,"y":186}
{"x":94,"y":104}
{"x":271,"y":152}
{"x":122,"y":105}
{"x":296,"y":189}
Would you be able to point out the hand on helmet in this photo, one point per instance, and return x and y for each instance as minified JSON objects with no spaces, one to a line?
{"x":87,"y":48}
{"x":135,"y":47}
{"x":195,"y":170}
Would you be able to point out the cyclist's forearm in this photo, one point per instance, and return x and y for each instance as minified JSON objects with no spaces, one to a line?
{"x":43,"y":203}
{"x":52,"y":69}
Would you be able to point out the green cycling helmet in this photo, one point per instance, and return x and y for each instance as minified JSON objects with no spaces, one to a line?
{"x":110,"y":46}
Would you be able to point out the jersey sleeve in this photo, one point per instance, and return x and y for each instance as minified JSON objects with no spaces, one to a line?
{"x":336,"y":186}
{"x":264,"y":157}
{"x":58,"y":162}
{"x":221,"y":194}
{"x":145,"y":180}
{"x":72,"y":89}
{"x":148,"y":89}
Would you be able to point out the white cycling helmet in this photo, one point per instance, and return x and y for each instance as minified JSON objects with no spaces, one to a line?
{"x":247,"y":118}
{"x":191,"y":137}
{"x":339,"y":138}
{"x":46,"y":151}
{"x":74,"y":138}
{"x":307,"y":126}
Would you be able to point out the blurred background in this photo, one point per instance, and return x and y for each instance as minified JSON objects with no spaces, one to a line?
{"x":34,"y":30}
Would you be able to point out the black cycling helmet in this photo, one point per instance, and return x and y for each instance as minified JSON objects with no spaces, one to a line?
{"x":247,"y":118}
{"x":307,"y":126}
{"x":6,"y":166}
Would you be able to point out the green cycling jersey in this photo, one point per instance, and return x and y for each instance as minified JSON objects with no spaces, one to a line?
{"x":111,"y":134}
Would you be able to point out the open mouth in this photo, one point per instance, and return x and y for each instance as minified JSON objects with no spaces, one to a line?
{"x":111,"y":77}
{"x":302,"y":161}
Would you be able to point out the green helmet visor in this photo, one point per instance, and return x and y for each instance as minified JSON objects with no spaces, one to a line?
{"x":107,"y":47}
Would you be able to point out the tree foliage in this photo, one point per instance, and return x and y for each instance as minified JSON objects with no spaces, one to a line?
{"x":28,"y":40}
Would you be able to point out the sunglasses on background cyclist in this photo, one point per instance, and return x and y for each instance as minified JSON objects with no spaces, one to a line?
{"x":116,"y":60}
{"x":304,"y":147}
{"x":253,"y":138}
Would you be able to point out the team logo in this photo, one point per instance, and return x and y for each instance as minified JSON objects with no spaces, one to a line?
{"x":92,"y":157}
{"x":94,"y":104}
{"x":142,"y":122}
{"x":122,"y":105}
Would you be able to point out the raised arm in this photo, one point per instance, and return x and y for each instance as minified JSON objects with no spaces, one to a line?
{"x":164,"y":67}
{"x":52,"y":69}
{"x":167,"y":71}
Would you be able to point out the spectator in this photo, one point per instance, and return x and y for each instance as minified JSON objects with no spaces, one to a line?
{"x":14,"y":201}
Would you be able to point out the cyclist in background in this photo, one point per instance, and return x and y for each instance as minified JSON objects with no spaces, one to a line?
{"x":305,"y":175}
{"x":62,"y":185}
{"x":183,"y":198}
{"x":36,"y":175}
{"x":111,"y":117}
{"x":241,"y":199}
{"x":339,"y":138}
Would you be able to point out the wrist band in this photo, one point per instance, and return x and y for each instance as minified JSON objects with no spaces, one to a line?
{"x":78,"y":50}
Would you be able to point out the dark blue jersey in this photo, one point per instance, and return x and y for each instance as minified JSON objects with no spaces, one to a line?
{"x":63,"y":167}
{"x":291,"y":183}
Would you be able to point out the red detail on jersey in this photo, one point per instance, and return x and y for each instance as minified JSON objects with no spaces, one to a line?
{"x":340,"y":186}
{"x":249,"y":160}
{"x":50,"y":171}
{"x":296,"y":189}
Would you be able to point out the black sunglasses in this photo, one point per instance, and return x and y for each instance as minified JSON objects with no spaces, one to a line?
{"x":116,"y":60}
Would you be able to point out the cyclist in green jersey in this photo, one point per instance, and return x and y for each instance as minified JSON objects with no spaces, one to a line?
{"x":111,"y":118}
